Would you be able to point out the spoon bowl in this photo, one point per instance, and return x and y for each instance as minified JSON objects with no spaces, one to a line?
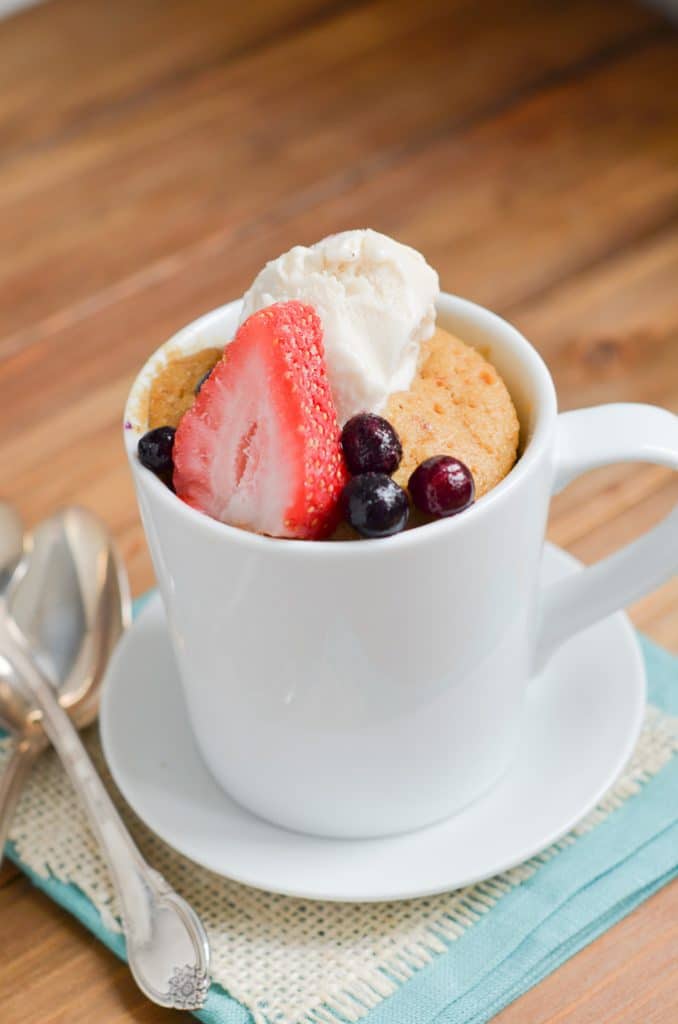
{"x":12,"y":713}
{"x":67,"y":593}
{"x":71,"y":603}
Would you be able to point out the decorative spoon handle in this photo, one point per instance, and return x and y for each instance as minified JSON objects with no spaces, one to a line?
{"x":12,"y":781}
{"x":167,"y":947}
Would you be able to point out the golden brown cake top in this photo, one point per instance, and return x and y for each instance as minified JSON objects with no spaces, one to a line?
{"x":457,"y":405}
{"x":172,"y":390}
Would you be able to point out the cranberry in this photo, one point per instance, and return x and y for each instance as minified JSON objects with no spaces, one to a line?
{"x":442,"y":486}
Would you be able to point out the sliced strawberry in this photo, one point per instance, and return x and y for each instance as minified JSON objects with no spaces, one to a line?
{"x":260,"y":447}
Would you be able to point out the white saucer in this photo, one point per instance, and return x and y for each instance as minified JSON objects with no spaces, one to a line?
{"x":582,"y":721}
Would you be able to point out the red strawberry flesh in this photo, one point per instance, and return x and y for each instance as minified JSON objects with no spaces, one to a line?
{"x":260,"y":447}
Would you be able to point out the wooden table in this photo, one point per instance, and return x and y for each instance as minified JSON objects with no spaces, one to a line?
{"x":153,"y":153}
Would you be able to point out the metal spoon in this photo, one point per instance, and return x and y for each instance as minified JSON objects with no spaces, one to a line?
{"x":72,"y":638}
{"x":167,"y":947}
{"x":14,"y":775}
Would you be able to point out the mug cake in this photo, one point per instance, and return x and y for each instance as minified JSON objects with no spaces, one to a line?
{"x":339,"y":410}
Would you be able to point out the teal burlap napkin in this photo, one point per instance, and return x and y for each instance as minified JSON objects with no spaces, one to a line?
{"x":570,"y":899}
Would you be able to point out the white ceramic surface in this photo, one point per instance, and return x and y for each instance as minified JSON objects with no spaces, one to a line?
{"x":364,"y":689}
{"x":582,"y":719}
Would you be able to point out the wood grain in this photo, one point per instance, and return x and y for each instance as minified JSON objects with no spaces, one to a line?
{"x":154,"y":154}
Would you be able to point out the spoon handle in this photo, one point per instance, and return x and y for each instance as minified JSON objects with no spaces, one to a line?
{"x":13,"y":780}
{"x":167,"y":947}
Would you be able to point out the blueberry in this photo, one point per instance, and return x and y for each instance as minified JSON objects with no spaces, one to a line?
{"x":155,"y":449}
{"x":202,"y":380}
{"x":442,"y":486}
{"x":371,"y":445}
{"x":375,"y":505}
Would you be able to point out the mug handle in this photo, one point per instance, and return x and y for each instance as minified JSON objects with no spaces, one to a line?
{"x":587,"y":439}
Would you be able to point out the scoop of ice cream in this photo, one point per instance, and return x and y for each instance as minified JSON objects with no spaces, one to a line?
{"x":376,"y":300}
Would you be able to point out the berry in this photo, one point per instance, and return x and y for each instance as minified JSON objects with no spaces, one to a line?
{"x":260,"y":446}
{"x":155,"y":449}
{"x":371,"y":444}
{"x":375,"y":505}
{"x":442,"y":486}
{"x":202,"y":380}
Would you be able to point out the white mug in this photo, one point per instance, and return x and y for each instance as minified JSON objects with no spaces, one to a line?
{"x":367,"y":688}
